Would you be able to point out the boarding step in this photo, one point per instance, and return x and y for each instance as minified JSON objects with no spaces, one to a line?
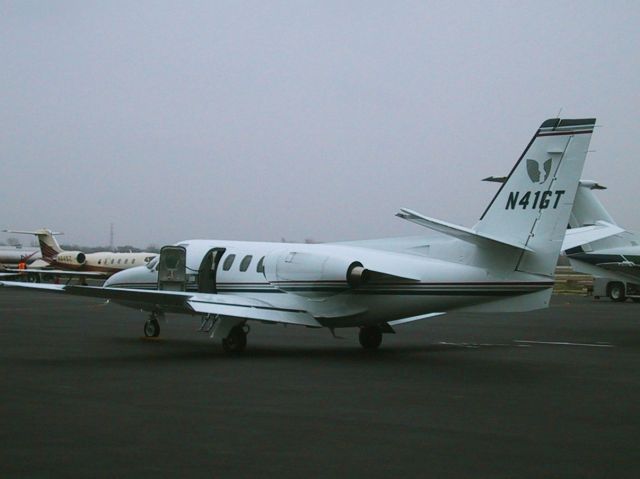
{"x":207,"y":323}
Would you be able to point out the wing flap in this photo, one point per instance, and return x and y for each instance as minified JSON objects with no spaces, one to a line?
{"x":259,"y":313}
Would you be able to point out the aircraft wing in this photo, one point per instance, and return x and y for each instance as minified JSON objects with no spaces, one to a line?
{"x":626,"y":267}
{"x":575,"y":237}
{"x":187,"y":302}
{"x":61,"y":272}
{"x":8,"y":275}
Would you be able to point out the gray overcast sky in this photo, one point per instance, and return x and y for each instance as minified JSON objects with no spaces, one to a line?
{"x":262,"y":120}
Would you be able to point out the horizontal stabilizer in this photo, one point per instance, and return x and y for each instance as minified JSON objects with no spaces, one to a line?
{"x":575,"y":237}
{"x":37,"y":232}
{"x":592,"y":185}
{"x":460,"y":232}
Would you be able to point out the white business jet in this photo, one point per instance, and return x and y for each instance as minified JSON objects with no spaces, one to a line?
{"x":505,"y":263}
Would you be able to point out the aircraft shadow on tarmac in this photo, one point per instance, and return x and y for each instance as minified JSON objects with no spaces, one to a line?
{"x":407,"y":357}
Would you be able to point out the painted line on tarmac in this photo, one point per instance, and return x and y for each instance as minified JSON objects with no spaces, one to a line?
{"x":472,"y":345}
{"x":564,"y":343}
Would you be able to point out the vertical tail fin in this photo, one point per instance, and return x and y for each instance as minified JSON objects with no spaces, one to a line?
{"x":49,"y":247}
{"x":533,"y":205}
{"x":587,"y":208}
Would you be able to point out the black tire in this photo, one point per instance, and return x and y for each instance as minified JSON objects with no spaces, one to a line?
{"x":236,"y":340}
{"x":617,"y":292}
{"x":152,"y":328}
{"x":370,"y":337}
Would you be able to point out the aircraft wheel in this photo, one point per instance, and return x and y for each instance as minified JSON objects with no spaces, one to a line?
{"x":152,"y":328}
{"x":616,"y":292}
{"x":370,"y":337}
{"x":236,"y":340}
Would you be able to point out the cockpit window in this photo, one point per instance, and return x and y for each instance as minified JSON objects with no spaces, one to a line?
{"x":245,"y":262}
{"x":228,"y":262}
{"x":153,"y":263}
{"x":260,"y":268}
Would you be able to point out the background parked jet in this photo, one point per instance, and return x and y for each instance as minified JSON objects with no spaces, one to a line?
{"x":11,"y":255}
{"x":613,"y":261}
{"x":506,"y":262}
{"x":60,"y":262}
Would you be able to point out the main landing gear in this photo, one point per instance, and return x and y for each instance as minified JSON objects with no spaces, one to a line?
{"x":617,"y":292}
{"x":370,"y":337}
{"x":152,"y":326}
{"x":236,"y":340}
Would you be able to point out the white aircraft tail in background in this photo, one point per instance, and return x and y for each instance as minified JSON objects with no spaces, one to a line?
{"x":504,"y":263}
{"x":611,"y":257}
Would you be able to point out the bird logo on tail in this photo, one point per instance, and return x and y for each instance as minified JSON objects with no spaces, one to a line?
{"x":536,"y":174}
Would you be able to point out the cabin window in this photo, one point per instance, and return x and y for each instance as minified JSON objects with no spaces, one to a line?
{"x":260,"y":268}
{"x":228,"y":262}
{"x":99,"y":261}
{"x":126,"y":261}
{"x":133,"y":260}
{"x":245,"y":262}
{"x":119,"y":260}
{"x":112,"y":260}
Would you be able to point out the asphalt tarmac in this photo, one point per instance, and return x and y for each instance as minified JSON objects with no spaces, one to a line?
{"x":552,"y":393}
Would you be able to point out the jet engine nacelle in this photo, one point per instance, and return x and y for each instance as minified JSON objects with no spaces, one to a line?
{"x":72,"y":258}
{"x":312,"y":274}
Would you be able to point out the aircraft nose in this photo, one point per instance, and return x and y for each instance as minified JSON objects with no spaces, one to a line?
{"x":115,"y":279}
{"x":126,"y":278}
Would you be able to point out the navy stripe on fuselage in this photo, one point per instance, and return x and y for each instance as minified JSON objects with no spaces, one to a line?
{"x":425,"y":289}
{"x":596,"y":259}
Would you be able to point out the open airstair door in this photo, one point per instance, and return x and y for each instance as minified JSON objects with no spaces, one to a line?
{"x":172,"y":268}
{"x":208,"y":269}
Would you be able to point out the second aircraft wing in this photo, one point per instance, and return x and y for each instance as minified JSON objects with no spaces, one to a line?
{"x":185,"y":302}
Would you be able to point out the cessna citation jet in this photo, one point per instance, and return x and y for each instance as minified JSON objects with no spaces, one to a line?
{"x":504,"y":263}
{"x":57,"y":261}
